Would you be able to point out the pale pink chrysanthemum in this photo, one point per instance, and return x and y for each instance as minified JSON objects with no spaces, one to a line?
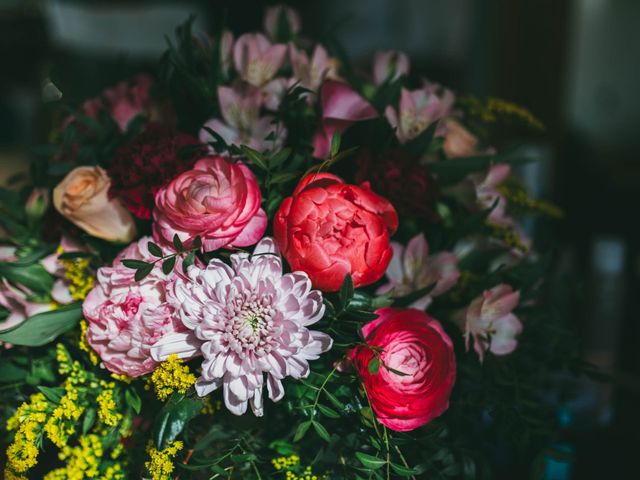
{"x":247,"y":319}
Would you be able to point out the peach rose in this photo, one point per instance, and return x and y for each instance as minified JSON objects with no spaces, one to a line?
{"x":82,"y":197}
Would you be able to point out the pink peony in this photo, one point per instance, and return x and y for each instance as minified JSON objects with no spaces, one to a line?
{"x":256,"y":59}
{"x":418,"y":110}
{"x":341,"y":107}
{"x":389,"y":66}
{"x":491,"y":324}
{"x":219,"y":200}
{"x":126,"y":317}
{"x":412,"y":269}
{"x":241,"y":122}
{"x":247,"y":319}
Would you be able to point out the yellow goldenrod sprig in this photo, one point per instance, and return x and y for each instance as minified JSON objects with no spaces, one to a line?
{"x":171,"y":376}
{"x":160,"y":465}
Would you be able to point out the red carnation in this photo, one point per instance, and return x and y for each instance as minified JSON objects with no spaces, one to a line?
{"x":400,"y":177}
{"x":150,"y":161}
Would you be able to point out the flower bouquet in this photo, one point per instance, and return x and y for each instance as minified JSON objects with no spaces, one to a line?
{"x":261,"y":262}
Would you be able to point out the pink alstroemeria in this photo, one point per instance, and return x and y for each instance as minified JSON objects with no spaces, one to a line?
{"x":487,"y":193}
{"x":341,"y":107}
{"x":15,"y":300}
{"x":490,"y":323}
{"x":256,"y":59}
{"x":310,"y":73}
{"x":418,"y":110}
{"x":272,"y":19}
{"x":60,"y":291}
{"x":389,"y":66}
{"x":412,"y":269}
{"x":242,"y":123}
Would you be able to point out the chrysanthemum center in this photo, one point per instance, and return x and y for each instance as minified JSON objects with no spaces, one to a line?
{"x":250,"y":327}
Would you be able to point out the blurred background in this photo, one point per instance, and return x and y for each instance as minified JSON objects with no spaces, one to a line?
{"x":574,"y":63}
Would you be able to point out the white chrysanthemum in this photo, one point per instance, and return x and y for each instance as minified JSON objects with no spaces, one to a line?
{"x":246,"y":319}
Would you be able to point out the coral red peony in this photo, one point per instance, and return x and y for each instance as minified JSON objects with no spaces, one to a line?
{"x":218,"y":200}
{"x":401,"y":178}
{"x":415,"y":345}
{"x":148,"y":162}
{"x":329,"y":229}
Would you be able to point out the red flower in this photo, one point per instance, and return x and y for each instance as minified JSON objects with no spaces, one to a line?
{"x":147,"y":163}
{"x":400,"y":177}
{"x":329,"y":229}
{"x":416,"y":370}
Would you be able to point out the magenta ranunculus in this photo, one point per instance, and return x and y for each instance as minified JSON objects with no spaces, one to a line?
{"x":417,"y":367}
{"x":127,"y":317}
{"x":219,"y":200}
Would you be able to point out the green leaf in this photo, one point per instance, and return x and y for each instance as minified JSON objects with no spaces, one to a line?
{"x":419,"y":145}
{"x":11,"y":373}
{"x":197,"y":242}
{"x":32,"y":276}
{"x":243,"y":457}
{"x":74,"y":255}
{"x":335,"y":143}
{"x":301,"y":430}
{"x":321,"y":431}
{"x":337,"y":403}
{"x":154,"y":250}
{"x":283,"y":177}
{"x":279,"y":158}
{"x":135,"y":264}
{"x":168,"y":264}
{"x":44,"y":327}
{"x":177,"y":243}
{"x":143,"y":272}
{"x":173,"y":417}
{"x":188,"y":261}
{"x":255,"y":157}
{"x":346,"y":291}
{"x":370,"y":461}
{"x":328,"y":412}
{"x":133,"y":399}
{"x":53,"y":394}
{"x":88,"y":421}
{"x":374,"y":366}
{"x":402,"y":470}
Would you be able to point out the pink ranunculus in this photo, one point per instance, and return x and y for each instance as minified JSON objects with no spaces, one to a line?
{"x":389,"y":66}
{"x":272,"y":19}
{"x":241,"y":123}
{"x":310,"y":73}
{"x":218,"y":200}
{"x":412,"y":269}
{"x":490,"y":322}
{"x":416,"y":372}
{"x":341,"y":107}
{"x":126,"y":317}
{"x":256,"y":59}
{"x":418,"y":110}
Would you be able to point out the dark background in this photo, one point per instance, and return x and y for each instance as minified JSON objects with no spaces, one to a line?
{"x":574,"y":63}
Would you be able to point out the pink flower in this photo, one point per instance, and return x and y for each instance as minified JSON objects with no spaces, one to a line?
{"x":60,"y":291}
{"x":341,"y":106}
{"x":416,"y":367}
{"x":247,"y":319}
{"x":389,"y":66}
{"x":273,"y":17}
{"x":242,"y":123}
{"x":418,"y":110}
{"x":412,"y":269}
{"x":218,"y":200}
{"x":126,"y":101}
{"x":491,"y":324}
{"x":458,"y":141}
{"x":126,"y":317}
{"x":256,"y":59}
{"x":15,"y":300}
{"x":487,"y":193}
{"x":312,"y":72}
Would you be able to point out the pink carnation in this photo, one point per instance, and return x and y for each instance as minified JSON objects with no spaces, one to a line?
{"x":218,"y":200}
{"x":126,"y":317}
{"x":247,"y":319}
